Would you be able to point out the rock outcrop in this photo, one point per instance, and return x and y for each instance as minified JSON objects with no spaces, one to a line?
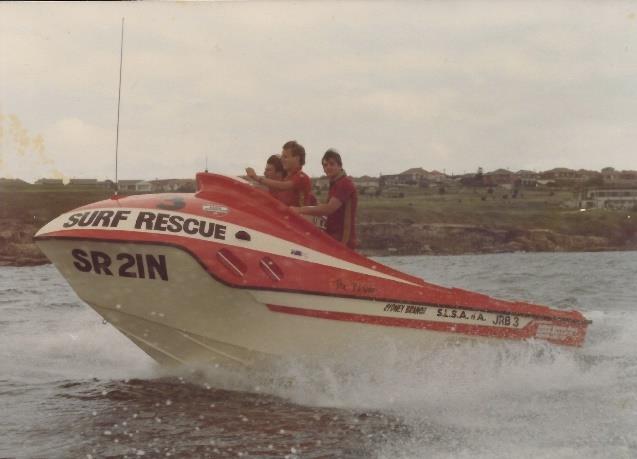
{"x":436,"y":238}
{"x":16,"y":244}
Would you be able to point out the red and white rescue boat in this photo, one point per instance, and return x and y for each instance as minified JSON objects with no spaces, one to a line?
{"x":228,"y":274}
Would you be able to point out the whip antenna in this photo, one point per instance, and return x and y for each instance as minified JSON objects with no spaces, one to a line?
{"x":119,"y":96}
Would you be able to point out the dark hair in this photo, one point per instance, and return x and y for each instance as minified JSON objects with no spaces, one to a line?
{"x":295,"y":149}
{"x":332,"y":154}
{"x":275,"y":160}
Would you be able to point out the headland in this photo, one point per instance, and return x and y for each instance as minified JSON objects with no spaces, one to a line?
{"x":466,"y":220}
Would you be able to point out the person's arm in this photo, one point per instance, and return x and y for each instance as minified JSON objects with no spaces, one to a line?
{"x":322,"y":209}
{"x":274,"y":184}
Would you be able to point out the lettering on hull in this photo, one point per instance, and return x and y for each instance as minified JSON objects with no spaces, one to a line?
{"x":556,"y":332}
{"x":405,"y":308}
{"x":361,"y":288}
{"x":138,"y":266}
{"x":147,"y":220}
{"x":459,"y":316}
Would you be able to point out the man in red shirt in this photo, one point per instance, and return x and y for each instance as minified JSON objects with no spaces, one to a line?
{"x":341,"y":204}
{"x":274,"y":171}
{"x":274,"y":168}
{"x":296,"y":188}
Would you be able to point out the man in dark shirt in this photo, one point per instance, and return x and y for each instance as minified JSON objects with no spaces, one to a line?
{"x":341,"y":204}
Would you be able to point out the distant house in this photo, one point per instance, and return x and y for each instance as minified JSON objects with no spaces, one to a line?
{"x":416,"y":176}
{"x":169,"y":185}
{"x":526,"y":178}
{"x":84,"y":183}
{"x":81,"y":183}
{"x":144,"y":186}
{"x":614,"y":198}
{"x":413,"y":176}
{"x":49,"y":182}
{"x":390,"y":180}
{"x":609,"y":175}
{"x":366,"y":184}
{"x":135,"y":186}
{"x":436,"y":177}
{"x":106,"y":185}
{"x":565,"y":176}
{"x":470,"y":179}
{"x":127,"y":185}
{"x":628,"y":178}
{"x":321,"y":183}
{"x":558,"y":173}
{"x":619,"y":178}
{"x":499,"y":177}
{"x":585,"y":175}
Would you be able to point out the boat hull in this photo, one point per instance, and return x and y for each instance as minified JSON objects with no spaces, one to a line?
{"x":166,"y":301}
{"x":229,"y":274}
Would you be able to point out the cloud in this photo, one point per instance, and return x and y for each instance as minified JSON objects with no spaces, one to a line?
{"x":444,"y":85}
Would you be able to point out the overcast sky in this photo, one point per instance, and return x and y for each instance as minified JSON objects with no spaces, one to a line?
{"x":444,"y":85}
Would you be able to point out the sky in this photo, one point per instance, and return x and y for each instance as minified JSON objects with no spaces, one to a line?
{"x":447,"y":86}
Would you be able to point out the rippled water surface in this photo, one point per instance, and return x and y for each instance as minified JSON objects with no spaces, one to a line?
{"x":71,"y":386}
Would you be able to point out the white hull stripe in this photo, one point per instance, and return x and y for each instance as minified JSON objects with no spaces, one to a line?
{"x":260,"y":241}
{"x":395,"y":310}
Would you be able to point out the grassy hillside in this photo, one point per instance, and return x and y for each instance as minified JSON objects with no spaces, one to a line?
{"x":529,"y":210}
{"x":421,"y":221}
{"x":41,"y":206}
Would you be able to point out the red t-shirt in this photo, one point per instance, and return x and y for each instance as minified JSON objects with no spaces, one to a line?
{"x":341,"y":225}
{"x":278,"y":194}
{"x":301,"y":192}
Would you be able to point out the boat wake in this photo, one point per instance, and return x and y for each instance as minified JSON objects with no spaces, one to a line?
{"x":77,"y":386}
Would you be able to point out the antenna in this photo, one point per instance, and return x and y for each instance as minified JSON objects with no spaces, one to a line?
{"x":119,"y":96}
{"x":206,"y":163}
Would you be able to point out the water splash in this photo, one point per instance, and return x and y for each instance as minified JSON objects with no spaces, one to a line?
{"x":485,"y":400}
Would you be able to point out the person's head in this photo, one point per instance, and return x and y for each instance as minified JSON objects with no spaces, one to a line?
{"x":292,"y":155}
{"x":332,"y":163}
{"x":274,"y":168}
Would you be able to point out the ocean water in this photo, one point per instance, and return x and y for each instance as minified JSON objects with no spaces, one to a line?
{"x":72,"y":386}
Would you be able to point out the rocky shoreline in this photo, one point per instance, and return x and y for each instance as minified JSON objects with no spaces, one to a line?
{"x":378,"y":239}
{"x":16,"y":244}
